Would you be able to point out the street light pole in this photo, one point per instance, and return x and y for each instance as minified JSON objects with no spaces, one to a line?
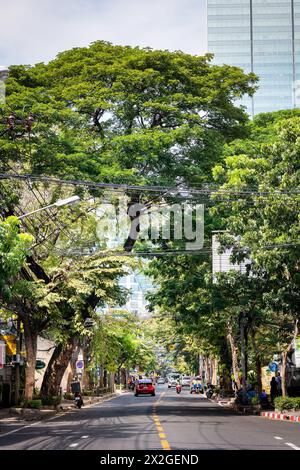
{"x":60,"y":203}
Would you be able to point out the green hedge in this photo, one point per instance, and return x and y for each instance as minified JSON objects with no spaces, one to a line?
{"x":89,"y":393}
{"x":51,"y":401}
{"x":48,"y":401}
{"x":287,"y":403}
{"x":35,"y":404}
{"x":69,"y":396}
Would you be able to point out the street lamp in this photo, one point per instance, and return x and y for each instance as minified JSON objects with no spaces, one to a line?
{"x":60,"y":203}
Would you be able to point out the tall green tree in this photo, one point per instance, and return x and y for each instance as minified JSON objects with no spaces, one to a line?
{"x":114,"y":114}
{"x":264,"y":222}
{"x":122,"y":114}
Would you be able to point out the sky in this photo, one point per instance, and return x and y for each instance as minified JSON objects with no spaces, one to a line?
{"x":34,"y":31}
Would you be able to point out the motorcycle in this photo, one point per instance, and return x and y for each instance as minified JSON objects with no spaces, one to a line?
{"x":78,"y":401}
{"x":131,"y":386}
{"x":196,"y":388}
{"x":178,"y":388}
{"x":210,"y":391}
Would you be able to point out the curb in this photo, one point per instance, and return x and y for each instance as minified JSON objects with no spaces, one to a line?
{"x":280,"y":416}
{"x":27,"y":414}
{"x":87,"y":402}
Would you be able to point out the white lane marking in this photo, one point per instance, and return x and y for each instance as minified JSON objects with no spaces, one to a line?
{"x":20,"y":429}
{"x":84,"y":437}
{"x":293,"y":446}
{"x":73,"y":445}
{"x":59,"y":415}
{"x":278,"y":437}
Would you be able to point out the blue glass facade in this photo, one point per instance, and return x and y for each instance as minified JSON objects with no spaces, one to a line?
{"x":262,"y":36}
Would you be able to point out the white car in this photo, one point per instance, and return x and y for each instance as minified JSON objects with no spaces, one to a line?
{"x":172,"y":381}
{"x":160,"y":380}
{"x":185,"y":381}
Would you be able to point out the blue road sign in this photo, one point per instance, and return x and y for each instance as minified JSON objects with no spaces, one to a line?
{"x":79,"y":365}
{"x":273,"y":367}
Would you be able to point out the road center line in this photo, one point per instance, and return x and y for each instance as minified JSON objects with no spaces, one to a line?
{"x":161,"y":434}
{"x":279,"y":438}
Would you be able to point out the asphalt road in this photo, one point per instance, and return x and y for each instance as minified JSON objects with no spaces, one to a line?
{"x":167,"y":421}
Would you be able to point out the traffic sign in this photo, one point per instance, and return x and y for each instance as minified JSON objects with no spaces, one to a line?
{"x":273,"y":367}
{"x":80,"y":365}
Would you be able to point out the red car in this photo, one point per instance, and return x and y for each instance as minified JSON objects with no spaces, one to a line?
{"x":145,"y":387}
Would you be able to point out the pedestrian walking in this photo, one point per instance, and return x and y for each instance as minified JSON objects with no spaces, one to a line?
{"x":274,"y":391}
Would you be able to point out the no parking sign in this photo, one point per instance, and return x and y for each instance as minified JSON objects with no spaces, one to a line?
{"x":79,"y":366}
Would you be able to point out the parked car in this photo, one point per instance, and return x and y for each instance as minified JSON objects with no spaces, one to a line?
{"x":185,"y":381}
{"x":160,"y":380}
{"x":145,"y":387}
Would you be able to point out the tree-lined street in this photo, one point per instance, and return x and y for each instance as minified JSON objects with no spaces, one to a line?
{"x":130,"y":423}
{"x":149,"y":235}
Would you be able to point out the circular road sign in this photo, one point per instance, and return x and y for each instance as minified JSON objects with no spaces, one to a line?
{"x":273,"y":367}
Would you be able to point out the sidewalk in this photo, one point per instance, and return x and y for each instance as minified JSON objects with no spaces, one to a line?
{"x":14,"y":415}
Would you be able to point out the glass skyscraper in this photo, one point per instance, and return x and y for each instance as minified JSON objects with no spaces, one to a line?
{"x":262,"y":36}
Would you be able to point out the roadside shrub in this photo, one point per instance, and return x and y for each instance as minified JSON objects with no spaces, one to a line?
{"x":51,"y":401}
{"x":69,"y":396}
{"x":34,"y":404}
{"x":88,"y":393}
{"x":287,"y":403}
{"x":254,"y":401}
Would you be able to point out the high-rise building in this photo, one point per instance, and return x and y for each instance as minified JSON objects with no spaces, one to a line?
{"x":262,"y":36}
{"x":138,"y":286}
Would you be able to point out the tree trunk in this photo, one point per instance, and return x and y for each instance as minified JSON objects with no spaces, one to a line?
{"x":57,"y":366}
{"x":257,"y":363}
{"x":283,"y":372}
{"x":234,"y":357}
{"x":101,"y":378}
{"x":105,"y":380}
{"x":30,"y":338}
{"x":123,"y":376}
{"x":243,"y":359}
{"x":284,"y":361}
{"x":214,"y":371}
{"x":133,"y":214}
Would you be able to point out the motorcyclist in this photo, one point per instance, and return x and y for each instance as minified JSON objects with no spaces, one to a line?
{"x":194,"y":385}
{"x":198,"y":385}
{"x":178,"y":385}
{"x":78,"y":400}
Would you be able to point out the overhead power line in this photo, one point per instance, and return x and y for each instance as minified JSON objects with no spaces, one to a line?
{"x":88,"y":251}
{"x":142,"y":188}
